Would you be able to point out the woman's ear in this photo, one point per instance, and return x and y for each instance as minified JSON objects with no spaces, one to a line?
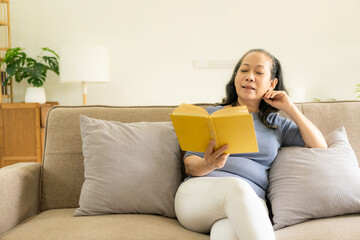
{"x":273,"y":84}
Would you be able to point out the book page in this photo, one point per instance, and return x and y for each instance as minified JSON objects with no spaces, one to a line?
{"x":238,"y":132}
{"x":231,"y":111}
{"x":193,"y":132}
{"x":189,"y":109}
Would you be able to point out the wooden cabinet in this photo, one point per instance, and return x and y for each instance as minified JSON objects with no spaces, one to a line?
{"x":22,"y":132}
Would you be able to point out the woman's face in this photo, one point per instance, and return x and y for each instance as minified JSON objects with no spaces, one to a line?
{"x":253,"y":78}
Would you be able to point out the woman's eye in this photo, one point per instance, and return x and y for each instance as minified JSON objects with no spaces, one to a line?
{"x":243,"y":70}
{"x":259,"y":72}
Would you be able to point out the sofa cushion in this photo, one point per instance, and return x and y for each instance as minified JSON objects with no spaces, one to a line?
{"x":308,"y":183}
{"x":59,"y":224}
{"x":344,"y":227}
{"x":129,"y":167}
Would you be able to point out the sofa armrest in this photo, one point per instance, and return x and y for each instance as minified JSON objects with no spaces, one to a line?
{"x":19,"y":194}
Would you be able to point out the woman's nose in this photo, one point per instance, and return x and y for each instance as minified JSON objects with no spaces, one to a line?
{"x":250,"y":77}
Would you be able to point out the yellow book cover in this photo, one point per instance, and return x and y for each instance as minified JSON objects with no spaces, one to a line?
{"x":234,"y":126}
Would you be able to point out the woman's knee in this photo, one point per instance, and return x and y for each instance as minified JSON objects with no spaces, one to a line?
{"x":222,"y":229}
{"x":238,"y":187}
{"x":197,"y":211}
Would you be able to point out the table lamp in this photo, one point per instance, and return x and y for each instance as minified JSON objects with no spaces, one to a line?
{"x":85,"y":64}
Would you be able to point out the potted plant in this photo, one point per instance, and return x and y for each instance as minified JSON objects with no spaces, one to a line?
{"x":20,"y":66}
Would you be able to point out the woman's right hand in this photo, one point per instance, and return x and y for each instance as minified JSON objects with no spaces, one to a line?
{"x":216,"y":159}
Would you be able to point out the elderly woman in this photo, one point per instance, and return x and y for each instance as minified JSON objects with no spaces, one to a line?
{"x":225,"y":194}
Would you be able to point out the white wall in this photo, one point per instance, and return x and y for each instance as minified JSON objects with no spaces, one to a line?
{"x":153,"y":44}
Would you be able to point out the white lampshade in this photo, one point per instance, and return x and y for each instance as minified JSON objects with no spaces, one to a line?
{"x":84,"y":63}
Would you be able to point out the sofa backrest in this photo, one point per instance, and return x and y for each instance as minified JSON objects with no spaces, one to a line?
{"x":62,"y":166}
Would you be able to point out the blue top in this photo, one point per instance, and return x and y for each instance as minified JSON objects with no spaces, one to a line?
{"x":253,"y":167}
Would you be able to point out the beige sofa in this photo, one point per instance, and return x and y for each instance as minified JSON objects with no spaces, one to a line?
{"x":37,"y":201}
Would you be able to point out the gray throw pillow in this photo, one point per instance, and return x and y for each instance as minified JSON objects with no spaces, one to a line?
{"x":308,"y":183}
{"x":129,"y":167}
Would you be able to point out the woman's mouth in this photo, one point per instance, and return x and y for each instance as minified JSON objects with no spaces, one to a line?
{"x":248,"y":87}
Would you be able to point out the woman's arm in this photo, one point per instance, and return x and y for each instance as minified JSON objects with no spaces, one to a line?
{"x":312,"y":136}
{"x":197,"y":166}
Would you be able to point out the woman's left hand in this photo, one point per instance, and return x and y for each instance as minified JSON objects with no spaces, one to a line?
{"x":279,"y":100}
{"x":310,"y":133}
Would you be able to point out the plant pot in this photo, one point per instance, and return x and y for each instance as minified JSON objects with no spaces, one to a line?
{"x":35,"y":95}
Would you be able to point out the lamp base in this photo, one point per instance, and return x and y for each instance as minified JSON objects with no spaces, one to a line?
{"x":84,"y":88}
{"x":84,"y":98}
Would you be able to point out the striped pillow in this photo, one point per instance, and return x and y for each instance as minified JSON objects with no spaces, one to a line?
{"x":308,"y":183}
{"x":129,"y":167}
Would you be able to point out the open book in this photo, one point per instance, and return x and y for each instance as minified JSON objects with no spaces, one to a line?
{"x":234,"y":126}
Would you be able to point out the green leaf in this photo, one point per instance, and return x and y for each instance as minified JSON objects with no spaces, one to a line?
{"x":20,"y":75}
{"x":49,"y":50}
{"x":13,"y":55}
{"x":53,"y":64}
{"x":11,"y":69}
{"x":37,"y":70}
{"x":30,"y":61}
{"x":316,"y":100}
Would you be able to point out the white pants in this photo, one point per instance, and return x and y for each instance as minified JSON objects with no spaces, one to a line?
{"x":226,"y":207}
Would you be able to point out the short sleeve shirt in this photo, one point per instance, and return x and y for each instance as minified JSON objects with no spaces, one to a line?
{"x":253,"y":167}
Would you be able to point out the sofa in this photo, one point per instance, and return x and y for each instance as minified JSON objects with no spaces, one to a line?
{"x":38,"y":200}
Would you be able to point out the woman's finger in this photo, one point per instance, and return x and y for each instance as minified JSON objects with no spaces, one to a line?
{"x":210,"y":147}
{"x":273,"y":94}
{"x":220,"y":151}
{"x":221,"y":160}
{"x":267,"y":94}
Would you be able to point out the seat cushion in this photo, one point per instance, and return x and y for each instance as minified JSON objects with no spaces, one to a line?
{"x":59,"y":224}
{"x":335,"y":228}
